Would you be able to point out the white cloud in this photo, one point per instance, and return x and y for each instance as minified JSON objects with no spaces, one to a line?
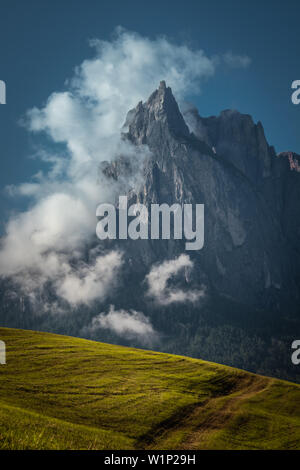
{"x":75,"y":282}
{"x":85,"y":120}
{"x":129,"y":324}
{"x":236,"y":61}
{"x":158,"y":282}
{"x":90,"y":282}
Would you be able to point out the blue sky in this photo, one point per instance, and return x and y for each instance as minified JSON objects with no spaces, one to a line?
{"x":42,"y":41}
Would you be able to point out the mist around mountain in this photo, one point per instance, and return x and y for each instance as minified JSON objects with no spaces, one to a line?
{"x":236,"y":301}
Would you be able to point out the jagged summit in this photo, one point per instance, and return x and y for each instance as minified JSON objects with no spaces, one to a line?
{"x":232,"y":135}
{"x":159,"y":114}
{"x":161,"y":95}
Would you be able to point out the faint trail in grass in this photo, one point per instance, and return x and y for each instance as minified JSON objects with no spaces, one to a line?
{"x":205,"y":417}
{"x":220,"y":411}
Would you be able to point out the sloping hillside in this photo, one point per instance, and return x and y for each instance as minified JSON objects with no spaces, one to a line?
{"x":58,"y":392}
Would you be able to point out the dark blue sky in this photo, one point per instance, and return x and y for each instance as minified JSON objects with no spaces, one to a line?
{"x":42,"y":41}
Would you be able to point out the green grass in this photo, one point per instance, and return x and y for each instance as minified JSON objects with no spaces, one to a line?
{"x":58,"y":392}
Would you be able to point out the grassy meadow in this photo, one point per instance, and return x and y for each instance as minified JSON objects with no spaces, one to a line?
{"x":58,"y":392}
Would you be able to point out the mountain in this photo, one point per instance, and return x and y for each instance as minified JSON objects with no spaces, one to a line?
{"x":250,"y":262}
{"x":58,"y":392}
{"x":248,"y":272}
{"x":234,"y":173}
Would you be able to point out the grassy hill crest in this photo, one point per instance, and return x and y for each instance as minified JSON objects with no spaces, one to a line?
{"x":59,"y":392}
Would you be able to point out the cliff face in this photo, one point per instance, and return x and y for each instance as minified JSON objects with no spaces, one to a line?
{"x":250,"y":195}
{"x":235,"y":137}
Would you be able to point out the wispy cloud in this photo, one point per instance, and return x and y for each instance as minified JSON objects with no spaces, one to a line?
{"x":236,"y":61}
{"x":129,"y":324}
{"x":158,"y":282}
{"x":89,"y":281}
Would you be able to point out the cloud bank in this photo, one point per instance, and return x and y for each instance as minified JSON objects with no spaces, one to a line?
{"x":47,"y":243}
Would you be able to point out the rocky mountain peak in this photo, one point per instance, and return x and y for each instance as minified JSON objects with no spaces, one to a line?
{"x":159,"y":114}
